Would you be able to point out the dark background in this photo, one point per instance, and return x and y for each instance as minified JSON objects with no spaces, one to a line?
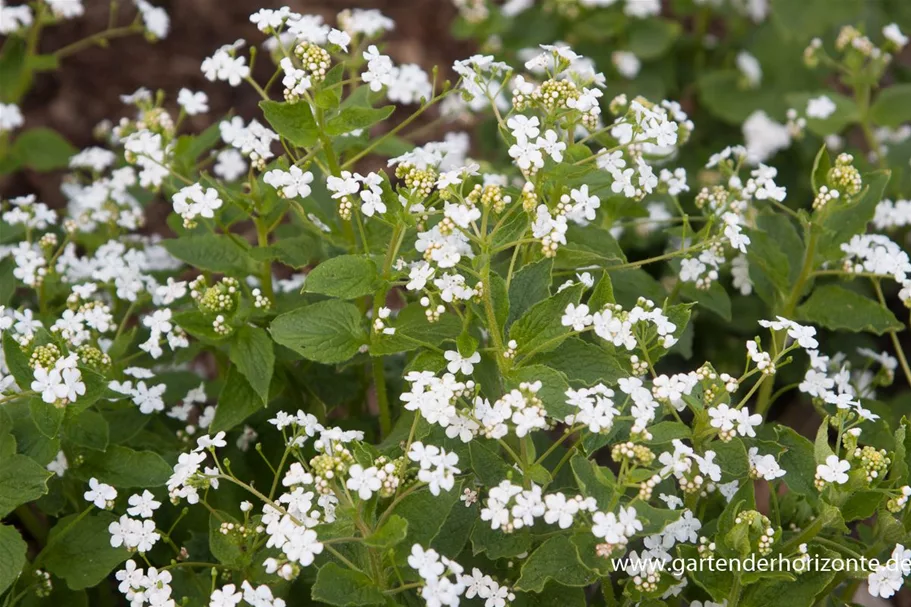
{"x":86,"y":89}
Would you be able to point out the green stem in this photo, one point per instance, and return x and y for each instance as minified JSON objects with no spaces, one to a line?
{"x":32,"y":523}
{"x":806,"y":271}
{"x":262,"y":239}
{"x":99,"y":38}
{"x":382,"y":397}
{"x":57,"y":538}
{"x":392,"y":132}
{"x":899,"y":351}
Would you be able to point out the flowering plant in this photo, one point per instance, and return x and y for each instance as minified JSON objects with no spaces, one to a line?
{"x":539,"y":373}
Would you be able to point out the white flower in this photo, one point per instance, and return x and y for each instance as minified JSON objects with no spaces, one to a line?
{"x":154,"y":18}
{"x":215,"y":442}
{"x":339,"y":38}
{"x":10,"y":115}
{"x":223,"y":65}
{"x":426,"y":562}
{"x":834,"y":470}
{"x":895,"y":35}
{"x":230,"y":164}
{"x":527,"y":155}
{"x":193,"y":103}
{"x":626,"y":63}
{"x":764,"y":137}
{"x":608,"y":528}
{"x":99,"y":493}
{"x":459,"y":364}
{"x":577,"y":317}
{"x":372,"y":203}
{"x":292,"y":183}
{"x":524,"y":128}
{"x":820,"y":107}
{"x":888,"y":578}
{"x":59,"y":465}
{"x":49,"y":384}
{"x":747,"y":421}
{"x":364,"y":482}
{"x":750,"y":68}
{"x":143,"y":506}
{"x":226,"y":596}
{"x":764,"y":466}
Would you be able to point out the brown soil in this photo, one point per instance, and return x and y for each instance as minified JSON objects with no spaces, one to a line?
{"x":87,"y":87}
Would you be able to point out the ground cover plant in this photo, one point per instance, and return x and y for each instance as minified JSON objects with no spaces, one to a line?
{"x":565,"y":353}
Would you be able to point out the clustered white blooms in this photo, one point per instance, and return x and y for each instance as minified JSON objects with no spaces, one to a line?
{"x":438,"y":589}
{"x":544,"y":115}
{"x":888,"y":578}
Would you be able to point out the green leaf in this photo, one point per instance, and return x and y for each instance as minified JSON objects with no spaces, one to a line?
{"x":126,"y":468}
{"x":345,"y":276}
{"x":17,"y":361}
{"x":413,"y":330}
{"x":46,"y":416}
{"x":296,"y":252}
{"x":821,"y":448}
{"x":326,"y":332}
{"x":540,"y":329}
{"x":12,"y":556}
{"x":553,"y":388}
{"x":487,"y":465}
{"x":87,"y":429}
{"x":667,"y":431}
{"x":510,"y":232}
{"x":41,"y":149}
{"x":7,"y":439}
{"x":556,"y":560}
{"x":293,"y":121}
{"x":593,"y":480}
{"x":252,"y":354}
{"x":602,"y":294}
{"x":328,"y":96}
{"x":860,"y":505}
{"x":845,"y":114}
{"x":8,"y":282}
{"x":851,"y":217}
{"x":798,"y":459}
{"x":808,"y":18}
{"x":732,"y":458}
{"x":529,"y":285}
{"x":336,"y":585}
{"x":892,"y":106}
{"x":724,"y":96}
{"x":821,"y":165}
{"x":356,"y":118}
{"x":79,"y":550}
{"x":651,"y":38}
{"x":769,"y":267}
{"x":552,"y":595}
{"x":425,"y":514}
{"x":237,"y":401}
{"x":630,"y":285}
{"x":22,"y":480}
{"x":212,"y":252}
{"x":96,"y":386}
{"x":715,"y":298}
{"x":496,"y":544}
{"x":228,"y":549}
{"x":582,"y":361}
{"x":801,"y":593}
{"x":837,"y":308}
{"x":588,"y":246}
{"x":393,"y":532}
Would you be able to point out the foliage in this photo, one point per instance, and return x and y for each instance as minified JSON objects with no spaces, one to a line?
{"x":547,"y":367}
